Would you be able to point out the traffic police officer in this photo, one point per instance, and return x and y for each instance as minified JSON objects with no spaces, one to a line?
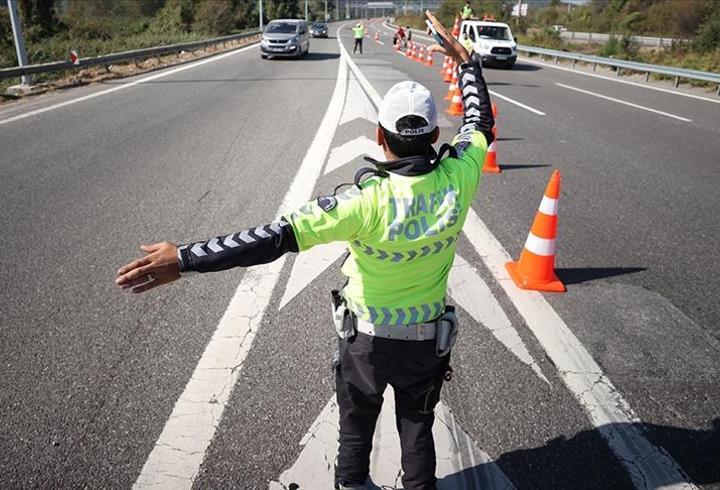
{"x":467,"y":11}
{"x":401,"y":224}
{"x":358,"y":34}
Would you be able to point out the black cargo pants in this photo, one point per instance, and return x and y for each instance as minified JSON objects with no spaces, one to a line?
{"x":367,"y":365}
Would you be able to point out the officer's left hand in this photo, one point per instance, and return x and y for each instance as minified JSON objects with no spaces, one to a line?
{"x":451,"y":47}
{"x":160,"y":266}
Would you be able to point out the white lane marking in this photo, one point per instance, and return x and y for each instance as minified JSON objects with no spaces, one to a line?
{"x":648,"y":466}
{"x":179,"y":451}
{"x":351,"y":151}
{"x":472,"y":293}
{"x":357,"y":104}
{"x":458,"y":457}
{"x":309,"y":265}
{"x":617,"y":80}
{"x":624,"y":102}
{"x":126,"y":85}
{"x":369,"y":89}
{"x":519,"y":104}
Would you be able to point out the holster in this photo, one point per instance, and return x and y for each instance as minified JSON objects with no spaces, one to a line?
{"x":342,"y":317}
{"x":447,"y":330}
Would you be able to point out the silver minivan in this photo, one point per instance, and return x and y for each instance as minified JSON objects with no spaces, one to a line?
{"x":285,"y":37}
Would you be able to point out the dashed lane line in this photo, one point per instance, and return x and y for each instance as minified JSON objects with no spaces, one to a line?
{"x":180,"y":450}
{"x":623,"y":102}
{"x":517,"y":103}
{"x":126,"y":85}
{"x":617,"y":80}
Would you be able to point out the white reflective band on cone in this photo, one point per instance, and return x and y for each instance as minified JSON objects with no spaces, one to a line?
{"x":540,"y":246}
{"x":548,"y":206}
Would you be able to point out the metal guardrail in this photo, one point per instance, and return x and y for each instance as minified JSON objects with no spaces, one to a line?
{"x":603,"y":38}
{"x":119,"y":57}
{"x":620,"y":65}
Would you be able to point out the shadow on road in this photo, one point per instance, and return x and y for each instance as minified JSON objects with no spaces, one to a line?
{"x":510,"y":166}
{"x":526,"y":67}
{"x":235,"y":80}
{"x":311,"y":56}
{"x":510,"y":139}
{"x":573,"y":463}
{"x":509,"y":84}
{"x":584,"y":274}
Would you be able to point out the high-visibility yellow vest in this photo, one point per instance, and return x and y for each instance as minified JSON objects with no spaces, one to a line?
{"x":401,"y":233}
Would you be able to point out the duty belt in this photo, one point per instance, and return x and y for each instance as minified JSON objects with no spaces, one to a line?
{"x":413,"y":331}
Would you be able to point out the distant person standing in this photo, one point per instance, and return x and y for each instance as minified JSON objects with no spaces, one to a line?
{"x":467,"y":11}
{"x":399,"y":36}
{"x":467,"y":42}
{"x":409,"y":34}
{"x":358,"y":34}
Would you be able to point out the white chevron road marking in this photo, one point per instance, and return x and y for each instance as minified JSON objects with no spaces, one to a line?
{"x":470,"y":291}
{"x":309,"y":265}
{"x":357,"y":104}
{"x":180,"y":450}
{"x":353,"y":151}
{"x":460,"y":463}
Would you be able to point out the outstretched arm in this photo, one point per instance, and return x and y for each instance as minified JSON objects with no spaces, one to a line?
{"x":165,"y":262}
{"x":476,"y":99}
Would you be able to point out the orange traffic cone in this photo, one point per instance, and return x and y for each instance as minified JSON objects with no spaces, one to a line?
{"x":377,"y":37}
{"x":449,"y":72}
{"x":444,"y":66}
{"x":456,"y":27}
{"x":536,"y":267}
{"x":490,"y":166}
{"x":453,"y":87}
{"x":456,"y":104}
{"x":420,"y":58}
{"x":429,"y":58}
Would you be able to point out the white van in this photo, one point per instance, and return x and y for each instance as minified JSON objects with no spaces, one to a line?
{"x":493,"y":41}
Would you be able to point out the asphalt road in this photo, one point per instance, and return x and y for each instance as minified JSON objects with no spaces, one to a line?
{"x":90,"y":376}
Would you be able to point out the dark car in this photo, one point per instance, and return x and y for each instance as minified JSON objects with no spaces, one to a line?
{"x":285,"y":38}
{"x":319,"y":29}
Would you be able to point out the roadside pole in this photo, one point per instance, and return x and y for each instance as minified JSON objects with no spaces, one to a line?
{"x":261,"y":14}
{"x":19,"y":40}
{"x":306,"y":17}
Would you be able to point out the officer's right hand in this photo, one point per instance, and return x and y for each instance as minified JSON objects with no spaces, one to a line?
{"x":159,"y":266}
{"x":451,"y":45}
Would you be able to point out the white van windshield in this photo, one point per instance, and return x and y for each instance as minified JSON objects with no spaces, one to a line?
{"x":494,"y":32}
{"x":281,"y":27}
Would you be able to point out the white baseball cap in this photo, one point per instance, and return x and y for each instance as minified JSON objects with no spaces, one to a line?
{"x":407,"y":99}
